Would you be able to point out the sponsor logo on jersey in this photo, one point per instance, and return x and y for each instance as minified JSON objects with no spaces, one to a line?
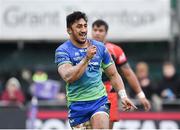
{"x":122,"y":58}
{"x":93,"y":63}
{"x":76,"y":54}
{"x":78,"y":58}
{"x":83,"y":50}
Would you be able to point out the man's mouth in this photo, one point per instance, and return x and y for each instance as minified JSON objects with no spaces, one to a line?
{"x":83,"y":35}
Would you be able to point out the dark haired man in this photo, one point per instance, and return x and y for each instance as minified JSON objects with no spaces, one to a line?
{"x":79,"y":63}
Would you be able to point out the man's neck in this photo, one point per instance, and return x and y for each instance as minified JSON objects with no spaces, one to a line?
{"x":79,"y":45}
{"x":104,"y":41}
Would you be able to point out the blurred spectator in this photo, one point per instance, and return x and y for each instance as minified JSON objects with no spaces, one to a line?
{"x":168,"y":87}
{"x":46,"y":89}
{"x":39,"y":76}
{"x":12,"y":92}
{"x":26,"y":81}
{"x":142,"y":72}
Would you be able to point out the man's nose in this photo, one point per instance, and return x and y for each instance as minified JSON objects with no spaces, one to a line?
{"x":97,"y":32}
{"x":84,"y":29}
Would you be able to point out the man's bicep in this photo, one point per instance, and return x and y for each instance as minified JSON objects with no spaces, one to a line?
{"x":62,"y":69}
{"x":125,"y":67}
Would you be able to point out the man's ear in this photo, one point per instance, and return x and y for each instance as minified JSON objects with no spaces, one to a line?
{"x":69,"y":31}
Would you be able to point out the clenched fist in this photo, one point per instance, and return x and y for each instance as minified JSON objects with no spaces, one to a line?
{"x":91,"y":51}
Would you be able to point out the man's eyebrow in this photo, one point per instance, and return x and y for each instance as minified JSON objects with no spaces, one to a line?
{"x":81,"y":24}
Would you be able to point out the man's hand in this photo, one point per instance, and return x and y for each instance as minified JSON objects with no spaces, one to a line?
{"x":128,"y":105}
{"x":91,"y":51}
{"x":145,"y":103}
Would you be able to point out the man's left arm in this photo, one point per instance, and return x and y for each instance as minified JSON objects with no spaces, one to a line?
{"x":117,"y":83}
{"x":134,"y":84}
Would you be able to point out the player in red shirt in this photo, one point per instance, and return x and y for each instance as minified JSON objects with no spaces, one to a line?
{"x":99,"y":32}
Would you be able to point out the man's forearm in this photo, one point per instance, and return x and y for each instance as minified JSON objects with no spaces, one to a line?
{"x":75,"y":72}
{"x":132,"y":79}
{"x":133,"y":82}
{"x":116,"y":82}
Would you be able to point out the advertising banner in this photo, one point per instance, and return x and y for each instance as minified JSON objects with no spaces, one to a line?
{"x":137,"y":20}
{"x":130,"y":120}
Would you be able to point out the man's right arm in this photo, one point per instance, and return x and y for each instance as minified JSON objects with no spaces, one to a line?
{"x":72,"y":73}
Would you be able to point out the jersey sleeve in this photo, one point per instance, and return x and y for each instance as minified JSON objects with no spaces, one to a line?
{"x":120,"y":57}
{"x":117,"y":53}
{"x":62,"y":57}
{"x":107,"y":60}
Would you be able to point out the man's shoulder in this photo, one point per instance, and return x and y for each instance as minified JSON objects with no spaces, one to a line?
{"x":63,"y":46}
{"x":114,"y":47}
{"x":109,"y":44}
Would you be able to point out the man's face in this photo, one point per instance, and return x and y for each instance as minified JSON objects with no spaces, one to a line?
{"x":78,"y":31}
{"x":99,"y":33}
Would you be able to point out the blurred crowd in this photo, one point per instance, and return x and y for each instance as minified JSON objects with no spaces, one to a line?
{"x":166,"y":88}
{"x":21,"y":88}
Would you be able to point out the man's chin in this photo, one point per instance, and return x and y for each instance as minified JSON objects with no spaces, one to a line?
{"x":82,"y":41}
{"x":98,"y":39}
